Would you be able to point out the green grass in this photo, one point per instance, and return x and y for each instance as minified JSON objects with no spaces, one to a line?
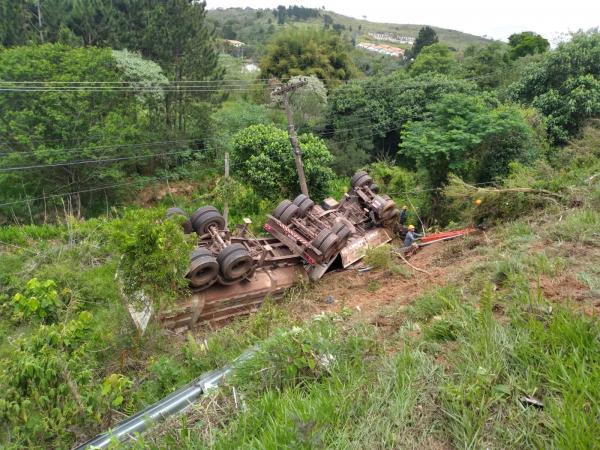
{"x":580,"y":226}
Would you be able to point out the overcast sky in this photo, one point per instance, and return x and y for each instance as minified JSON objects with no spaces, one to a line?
{"x":497,"y":19}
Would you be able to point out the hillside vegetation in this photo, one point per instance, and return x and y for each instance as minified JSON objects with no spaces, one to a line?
{"x":112,"y":112}
{"x":254,"y":26}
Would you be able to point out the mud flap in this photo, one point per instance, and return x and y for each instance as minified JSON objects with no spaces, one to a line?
{"x":357,"y":246}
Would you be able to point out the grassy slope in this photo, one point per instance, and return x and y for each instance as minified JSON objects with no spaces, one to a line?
{"x":435,"y":361}
{"x":514,"y":316}
{"x":251,"y":23}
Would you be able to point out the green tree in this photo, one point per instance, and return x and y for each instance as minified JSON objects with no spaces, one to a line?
{"x":435,"y":58}
{"x":470,"y":136}
{"x":564,"y":86}
{"x":427,"y":36}
{"x":15,"y":23}
{"x":365,"y":117}
{"x":527,"y":43}
{"x":178,"y":38}
{"x":262,"y":155}
{"x":52,"y":129}
{"x":489,"y":64}
{"x":308,"y":51}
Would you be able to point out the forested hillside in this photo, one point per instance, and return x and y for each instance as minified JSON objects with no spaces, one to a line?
{"x":113,"y":111}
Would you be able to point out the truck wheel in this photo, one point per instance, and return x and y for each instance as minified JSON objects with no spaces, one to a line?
{"x":185,"y":224}
{"x":235,"y":262}
{"x":318,"y":240}
{"x":203,"y":268}
{"x":374,"y":187}
{"x":360,"y":179}
{"x":299,"y":199}
{"x":305,"y":206}
{"x":342,"y":231}
{"x":281,"y":208}
{"x":386,"y":210}
{"x":328,"y":243}
{"x":206,"y":219}
{"x":290,"y":212}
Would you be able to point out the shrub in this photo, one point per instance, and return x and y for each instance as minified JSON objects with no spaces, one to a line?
{"x":39,"y":300}
{"x":155,"y":254}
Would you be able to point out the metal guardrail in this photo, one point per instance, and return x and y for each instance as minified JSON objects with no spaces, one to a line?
{"x":174,"y":403}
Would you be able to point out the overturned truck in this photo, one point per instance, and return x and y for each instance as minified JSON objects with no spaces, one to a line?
{"x":231,"y":273}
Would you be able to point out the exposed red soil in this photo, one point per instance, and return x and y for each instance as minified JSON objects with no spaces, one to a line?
{"x":368,"y":292}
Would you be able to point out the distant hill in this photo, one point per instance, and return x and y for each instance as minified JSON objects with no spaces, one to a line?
{"x":255,"y":26}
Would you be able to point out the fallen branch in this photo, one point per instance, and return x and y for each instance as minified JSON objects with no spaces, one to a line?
{"x":401,"y":256}
{"x":549,"y":195}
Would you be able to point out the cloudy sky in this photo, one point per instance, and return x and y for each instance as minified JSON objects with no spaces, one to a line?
{"x":497,"y":19}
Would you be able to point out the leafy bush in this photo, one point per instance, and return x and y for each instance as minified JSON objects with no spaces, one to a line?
{"x":48,"y":385}
{"x":155,"y":254}
{"x":468,"y":136}
{"x":40,"y":300}
{"x":308,"y":51}
{"x":263,"y":156}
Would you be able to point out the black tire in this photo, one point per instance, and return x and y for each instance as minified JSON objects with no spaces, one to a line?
{"x":207,"y":220}
{"x":299,"y":199}
{"x":374,"y":187}
{"x":200,"y":251}
{"x":281,"y":208}
{"x":185,"y":224}
{"x":176,"y":212}
{"x":235,"y":262}
{"x":393,"y":214}
{"x":290,"y":212}
{"x":203,"y":270}
{"x":342,"y":230}
{"x":356,"y":176}
{"x":365,"y":180}
{"x":306,"y":206}
{"x":201,"y":211}
{"x":318,"y":240}
{"x":327,"y":244}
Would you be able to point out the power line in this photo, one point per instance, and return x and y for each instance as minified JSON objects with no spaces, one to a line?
{"x":93,"y":161}
{"x":105,"y":147}
{"x":133,"y":81}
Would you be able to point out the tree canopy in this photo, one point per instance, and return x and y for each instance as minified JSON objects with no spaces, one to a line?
{"x":564,"y":85}
{"x":527,"y":43}
{"x":427,"y":36}
{"x":470,"y":136}
{"x":263,"y":156}
{"x":435,"y":58}
{"x":308,"y":51}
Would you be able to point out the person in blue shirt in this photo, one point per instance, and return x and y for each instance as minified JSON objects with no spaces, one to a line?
{"x":403,"y":215}
{"x":411,"y":236}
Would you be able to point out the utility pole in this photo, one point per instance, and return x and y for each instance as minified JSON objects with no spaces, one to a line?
{"x":226,"y":205}
{"x":285,"y":91}
{"x":39,"y":14}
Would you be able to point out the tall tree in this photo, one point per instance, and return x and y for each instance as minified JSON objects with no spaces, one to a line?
{"x":427,"y":36}
{"x":308,"y":51}
{"x":179,"y":39}
{"x":16,"y":27}
{"x":527,"y":43}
